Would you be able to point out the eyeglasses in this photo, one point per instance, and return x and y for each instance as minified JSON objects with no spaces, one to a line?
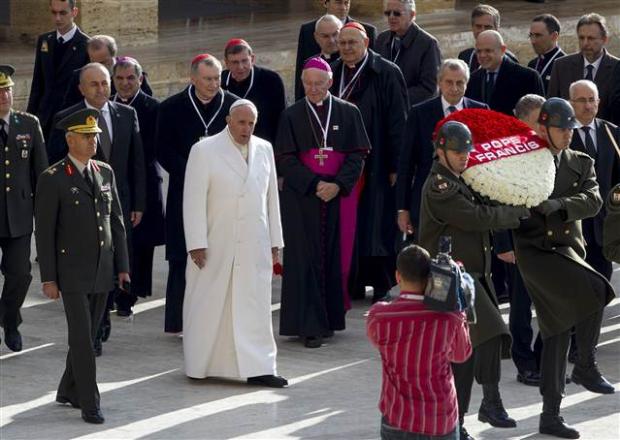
{"x":583,"y":101}
{"x":394,"y":13}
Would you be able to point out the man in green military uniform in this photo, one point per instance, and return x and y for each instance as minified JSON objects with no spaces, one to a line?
{"x":451,"y":208}
{"x":611,"y":226}
{"x":81,"y":246}
{"x":565,"y":290}
{"x":22,"y":160}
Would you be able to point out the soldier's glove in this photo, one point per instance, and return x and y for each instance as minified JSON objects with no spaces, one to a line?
{"x":549,"y":206}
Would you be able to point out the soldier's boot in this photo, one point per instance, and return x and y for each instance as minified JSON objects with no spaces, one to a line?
{"x":492,"y":409}
{"x":463,"y":434}
{"x":552,"y":423}
{"x":591,"y":379}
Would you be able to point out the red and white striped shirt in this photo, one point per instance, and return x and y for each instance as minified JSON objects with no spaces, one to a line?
{"x":417,"y":346}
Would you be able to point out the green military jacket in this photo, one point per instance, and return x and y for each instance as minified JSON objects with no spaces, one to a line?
{"x":24,"y":158}
{"x":449,"y":207}
{"x":550,"y":250}
{"x":79,"y":230}
{"x":611,"y":226}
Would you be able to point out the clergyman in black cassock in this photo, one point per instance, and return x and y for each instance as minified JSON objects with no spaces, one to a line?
{"x":182,"y":121}
{"x":319,"y":235}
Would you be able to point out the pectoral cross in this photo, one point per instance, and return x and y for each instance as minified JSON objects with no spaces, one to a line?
{"x":321,"y":157}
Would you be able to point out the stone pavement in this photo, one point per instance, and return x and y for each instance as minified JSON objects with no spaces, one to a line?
{"x":333,"y":392}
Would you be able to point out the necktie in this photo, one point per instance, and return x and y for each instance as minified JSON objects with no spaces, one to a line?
{"x":3,"y":134}
{"x":451,"y":109}
{"x":590,"y":73}
{"x":61,"y":40}
{"x":540,"y":63}
{"x":556,"y":161}
{"x":488,"y":87}
{"x":88,"y":180}
{"x":395,"y":49}
{"x":104,"y":138}
{"x":590,"y":148}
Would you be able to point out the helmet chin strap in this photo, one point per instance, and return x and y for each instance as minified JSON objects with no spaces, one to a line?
{"x":449,"y":164}
{"x":556,"y":150}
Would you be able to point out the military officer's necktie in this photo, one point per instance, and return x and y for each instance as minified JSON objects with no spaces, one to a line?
{"x":488,"y":87}
{"x":590,"y":148}
{"x":88,"y":180}
{"x":3,"y":134}
{"x":105,"y":142}
{"x":590,"y":72}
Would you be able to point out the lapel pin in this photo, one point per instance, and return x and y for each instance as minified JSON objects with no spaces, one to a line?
{"x":74,"y":190}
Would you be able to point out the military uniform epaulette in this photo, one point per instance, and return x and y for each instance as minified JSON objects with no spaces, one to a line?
{"x":442,"y":188}
{"x":101,"y":164}
{"x":25,"y":115}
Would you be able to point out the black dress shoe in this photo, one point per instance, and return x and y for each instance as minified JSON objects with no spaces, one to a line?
{"x":527,"y":377}
{"x":123,"y":313}
{"x":554,"y":425}
{"x":313,"y":341}
{"x":13,"y":340}
{"x":65,"y":400}
{"x":97,"y":348}
{"x":592,"y":380}
{"x":328,"y":334}
{"x":463,"y":434}
{"x":93,"y":416}
{"x":106,"y":329}
{"x":268,"y":380}
{"x":493,"y":412}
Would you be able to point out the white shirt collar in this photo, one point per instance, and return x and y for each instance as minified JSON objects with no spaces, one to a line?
{"x":103,"y":109}
{"x":445,"y":104}
{"x":78,"y":164}
{"x":7,"y":118}
{"x":67,"y":36}
{"x":596,"y":63}
{"x":592,"y":125}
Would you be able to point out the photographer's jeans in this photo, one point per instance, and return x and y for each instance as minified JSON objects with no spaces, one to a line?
{"x":390,"y":433}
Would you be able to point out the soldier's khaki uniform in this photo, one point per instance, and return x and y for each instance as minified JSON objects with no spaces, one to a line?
{"x":451,"y":208}
{"x":611,"y":227}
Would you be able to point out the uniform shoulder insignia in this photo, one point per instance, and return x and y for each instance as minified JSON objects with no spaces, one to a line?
{"x":101,"y":164}
{"x":441,"y":187}
{"x":614,"y":196}
{"x":52,"y":170}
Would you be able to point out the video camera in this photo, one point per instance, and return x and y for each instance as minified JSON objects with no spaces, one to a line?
{"x":450,"y":288}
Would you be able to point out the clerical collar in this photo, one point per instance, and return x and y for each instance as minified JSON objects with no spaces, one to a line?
{"x":67,"y":36}
{"x":358,"y":64}
{"x":118,"y":98}
{"x":242,"y":83}
{"x":79,"y":164}
{"x":550,"y":52}
{"x":205,"y":104}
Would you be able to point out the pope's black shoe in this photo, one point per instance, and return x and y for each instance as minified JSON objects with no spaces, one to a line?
{"x":313,"y":341}
{"x":592,"y":380}
{"x":493,"y":412}
{"x":13,"y":339}
{"x":527,"y":377}
{"x":554,"y":425}
{"x":65,"y":400}
{"x":268,"y":380}
{"x":93,"y":416}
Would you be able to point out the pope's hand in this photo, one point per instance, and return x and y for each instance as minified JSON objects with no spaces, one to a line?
{"x":327,"y":191}
{"x":199,"y":257}
{"x":275,"y":255}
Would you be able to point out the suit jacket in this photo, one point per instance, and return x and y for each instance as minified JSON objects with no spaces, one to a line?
{"x":548,"y":62}
{"x":512,"y":83}
{"x":150,"y":231}
{"x":570,"y":68}
{"x":419,"y":58}
{"x":469,"y":56}
{"x":23,"y":160}
{"x":417,"y":152}
{"x":73,"y":95}
{"x":607,"y":168}
{"x":79,"y":230}
{"x":126,"y":155}
{"x":613,"y":107}
{"x":611,"y":230}
{"x":49,"y":84}
{"x":308,"y":47}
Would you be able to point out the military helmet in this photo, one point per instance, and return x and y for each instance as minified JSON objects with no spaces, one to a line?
{"x":557,"y":112}
{"x":454,"y":136}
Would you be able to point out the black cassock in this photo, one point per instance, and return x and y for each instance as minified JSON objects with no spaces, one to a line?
{"x":380,"y":93}
{"x":313,"y":301}
{"x":266,"y":90}
{"x":179,"y":127}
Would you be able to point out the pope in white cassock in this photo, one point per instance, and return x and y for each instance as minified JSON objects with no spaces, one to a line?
{"x":232,"y":227}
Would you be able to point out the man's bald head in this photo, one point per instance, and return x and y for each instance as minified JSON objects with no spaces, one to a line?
{"x":326,"y":33}
{"x":490,"y":49}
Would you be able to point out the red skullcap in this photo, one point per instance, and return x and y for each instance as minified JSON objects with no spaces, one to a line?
{"x":236,"y":42}
{"x":199,"y":58}
{"x":356,"y":25}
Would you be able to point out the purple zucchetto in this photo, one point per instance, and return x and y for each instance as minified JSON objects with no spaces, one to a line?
{"x":317,"y":63}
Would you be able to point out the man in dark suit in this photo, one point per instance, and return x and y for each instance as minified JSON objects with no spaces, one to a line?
{"x":22,"y":160}
{"x":262,"y":86}
{"x":613,"y":106}
{"x":196,"y":112}
{"x":101,"y":49}
{"x":58,"y":54}
{"x":119,"y":144}
{"x":483,"y":18}
{"x":411,"y":48}
{"x":544,"y":34}
{"x":307,"y":46}
{"x":417,"y":151}
{"x":592,"y":62}
{"x":499,"y":82}
{"x":596,"y":137}
{"x":81,"y":246}
{"x":149,"y":233}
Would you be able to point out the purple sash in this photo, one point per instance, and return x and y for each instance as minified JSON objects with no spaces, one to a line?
{"x":329,"y":165}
